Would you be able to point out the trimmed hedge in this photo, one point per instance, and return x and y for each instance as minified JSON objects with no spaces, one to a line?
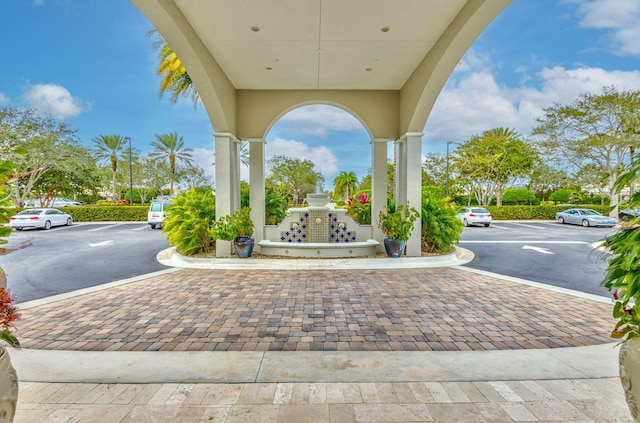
{"x":536,"y":212}
{"x":105,"y":213}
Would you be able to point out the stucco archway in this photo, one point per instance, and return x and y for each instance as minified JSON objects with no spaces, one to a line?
{"x":252,"y":59}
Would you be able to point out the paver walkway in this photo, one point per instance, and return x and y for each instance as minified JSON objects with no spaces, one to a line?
{"x":588,"y":400}
{"x":344,"y":310}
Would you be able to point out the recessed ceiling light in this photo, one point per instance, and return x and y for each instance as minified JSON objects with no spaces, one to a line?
{"x":384,"y":29}
{"x":255,"y":28}
{"x":268,"y":68}
{"x":369,"y":69}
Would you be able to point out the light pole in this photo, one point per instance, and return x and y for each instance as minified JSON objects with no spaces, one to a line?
{"x":446,"y":189}
{"x":130,"y":174}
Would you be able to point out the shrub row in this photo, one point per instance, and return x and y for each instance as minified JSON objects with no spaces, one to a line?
{"x":534,"y":212}
{"x":105,"y":213}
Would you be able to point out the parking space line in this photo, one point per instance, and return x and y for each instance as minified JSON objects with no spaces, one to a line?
{"x":523,"y":242}
{"x":529,"y":226}
{"x":102,"y":227}
{"x":141,"y":228}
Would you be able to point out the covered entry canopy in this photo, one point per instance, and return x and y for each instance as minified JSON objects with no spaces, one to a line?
{"x":384,"y":61}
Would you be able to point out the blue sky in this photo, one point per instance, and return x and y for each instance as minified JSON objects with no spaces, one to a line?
{"x":90,"y":64}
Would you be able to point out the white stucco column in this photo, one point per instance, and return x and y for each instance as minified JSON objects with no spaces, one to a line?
{"x":235,"y":174}
{"x":256,"y":188}
{"x":225,"y":194}
{"x":400,"y":151}
{"x":378,"y":185}
{"x":413,"y":186}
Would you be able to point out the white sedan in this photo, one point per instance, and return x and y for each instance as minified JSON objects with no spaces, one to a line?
{"x":43,"y":218}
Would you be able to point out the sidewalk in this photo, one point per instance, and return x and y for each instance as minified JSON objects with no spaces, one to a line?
{"x":444,"y":344}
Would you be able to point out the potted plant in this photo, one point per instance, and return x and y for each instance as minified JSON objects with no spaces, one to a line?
{"x":397,"y":224}
{"x":238,"y":228}
{"x":622,"y":278}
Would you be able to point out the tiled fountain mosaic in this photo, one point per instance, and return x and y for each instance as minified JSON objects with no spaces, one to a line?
{"x":318,"y":226}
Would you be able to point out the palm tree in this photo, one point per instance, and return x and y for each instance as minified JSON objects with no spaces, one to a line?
{"x":107,"y":148}
{"x":345,"y":183}
{"x":171,"y":147}
{"x":175,"y":78}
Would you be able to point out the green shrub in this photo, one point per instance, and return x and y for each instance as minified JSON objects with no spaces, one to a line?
{"x":107,"y":213}
{"x":188,"y":224}
{"x":440,"y":226}
{"x":519,"y":196}
{"x":433,"y":192}
{"x":535,"y":212}
{"x":561,"y":196}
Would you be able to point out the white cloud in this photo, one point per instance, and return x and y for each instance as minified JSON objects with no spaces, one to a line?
{"x":325,"y":161}
{"x":204,"y":159}
{"x":317,"y":120}
{"x":54,"y":100}
{"x":3,"y":99}
{"x":621,"y":17}
{"x":477,"y":102}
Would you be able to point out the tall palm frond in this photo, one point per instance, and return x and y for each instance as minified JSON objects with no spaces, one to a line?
{"x":108,"y":148}
{"x":170,"y":147}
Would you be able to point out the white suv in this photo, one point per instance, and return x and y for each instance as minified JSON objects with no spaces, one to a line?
{"x":157,"y":212}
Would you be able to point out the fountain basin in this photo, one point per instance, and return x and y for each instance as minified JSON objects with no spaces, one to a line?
{"x":319,"y":249}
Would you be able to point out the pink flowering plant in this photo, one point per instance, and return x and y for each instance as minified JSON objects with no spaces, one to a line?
{"x":8,"y":315}
{"x":360,"y":208}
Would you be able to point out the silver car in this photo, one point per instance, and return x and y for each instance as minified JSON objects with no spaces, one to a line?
{"x":474,"y":216}
{"x":43,"y":218}
{"x":585,"y":217}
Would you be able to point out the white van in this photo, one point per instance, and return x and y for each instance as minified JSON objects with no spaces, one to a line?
{"x":157,"y":212}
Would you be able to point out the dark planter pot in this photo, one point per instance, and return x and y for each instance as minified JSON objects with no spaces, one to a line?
{"x":244,"y":246}
{"x":394,"y":248}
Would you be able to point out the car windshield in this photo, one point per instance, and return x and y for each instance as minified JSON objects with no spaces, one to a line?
{"x":32,"y":211}
{"x":589,"y":212}
{"x":480,"y":210}
{"x":156,"y":207}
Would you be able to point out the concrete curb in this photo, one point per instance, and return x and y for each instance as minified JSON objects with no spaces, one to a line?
{"x":170,"y":257}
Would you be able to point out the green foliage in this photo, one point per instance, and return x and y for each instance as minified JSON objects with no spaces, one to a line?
{"x":544,"y":212}
{"x":432,"y":191}
{"x":623,"y":276}
{"x":397,"y":224}
{"x":519,"y":196}
{"x":493,"y":160}
{"x":124,"y":213}
{"x":440,"y":226}
{"x":360,"y":208}
{"x":562,"y":195}
{"x":344,"y":185}
{"x":237,"y":225}
{"x":292,"y":179}
{"x":188,"y":224}
{"x":275,"y":208}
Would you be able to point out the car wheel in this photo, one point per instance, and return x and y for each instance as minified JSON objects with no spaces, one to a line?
{"x":69,"y":221}
{"x":153,"y":226}
{"x":47,"y":225}
{"x":585,"y":223}
{"x":560,"y":220}
{"x":466,"y":222}
{"x":486,"y":225}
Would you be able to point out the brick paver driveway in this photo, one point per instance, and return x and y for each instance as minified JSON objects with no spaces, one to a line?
{"x":259,"y":310}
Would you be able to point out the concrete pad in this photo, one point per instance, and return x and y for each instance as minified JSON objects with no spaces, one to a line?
{"x":454,"y":366}
{"x":135,"y":367}
{"x":353,"y":366}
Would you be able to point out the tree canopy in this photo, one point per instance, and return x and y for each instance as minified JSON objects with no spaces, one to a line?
{"x":491,"y":161}
{"x":292,"y":179}
{"x":596,"y":129}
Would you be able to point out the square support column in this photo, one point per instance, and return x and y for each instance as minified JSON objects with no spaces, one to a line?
{"x":401,"y":170}
{"x":379,"y":184}
{"x":256,"y":188}
{"x":412,"y":181}
{"x":225,"y":193}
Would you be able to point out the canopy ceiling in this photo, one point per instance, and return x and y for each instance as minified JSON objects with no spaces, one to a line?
{"x":319,"y":44}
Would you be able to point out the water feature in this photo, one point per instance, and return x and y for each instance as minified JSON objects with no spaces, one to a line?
{"x":319,"y":230}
